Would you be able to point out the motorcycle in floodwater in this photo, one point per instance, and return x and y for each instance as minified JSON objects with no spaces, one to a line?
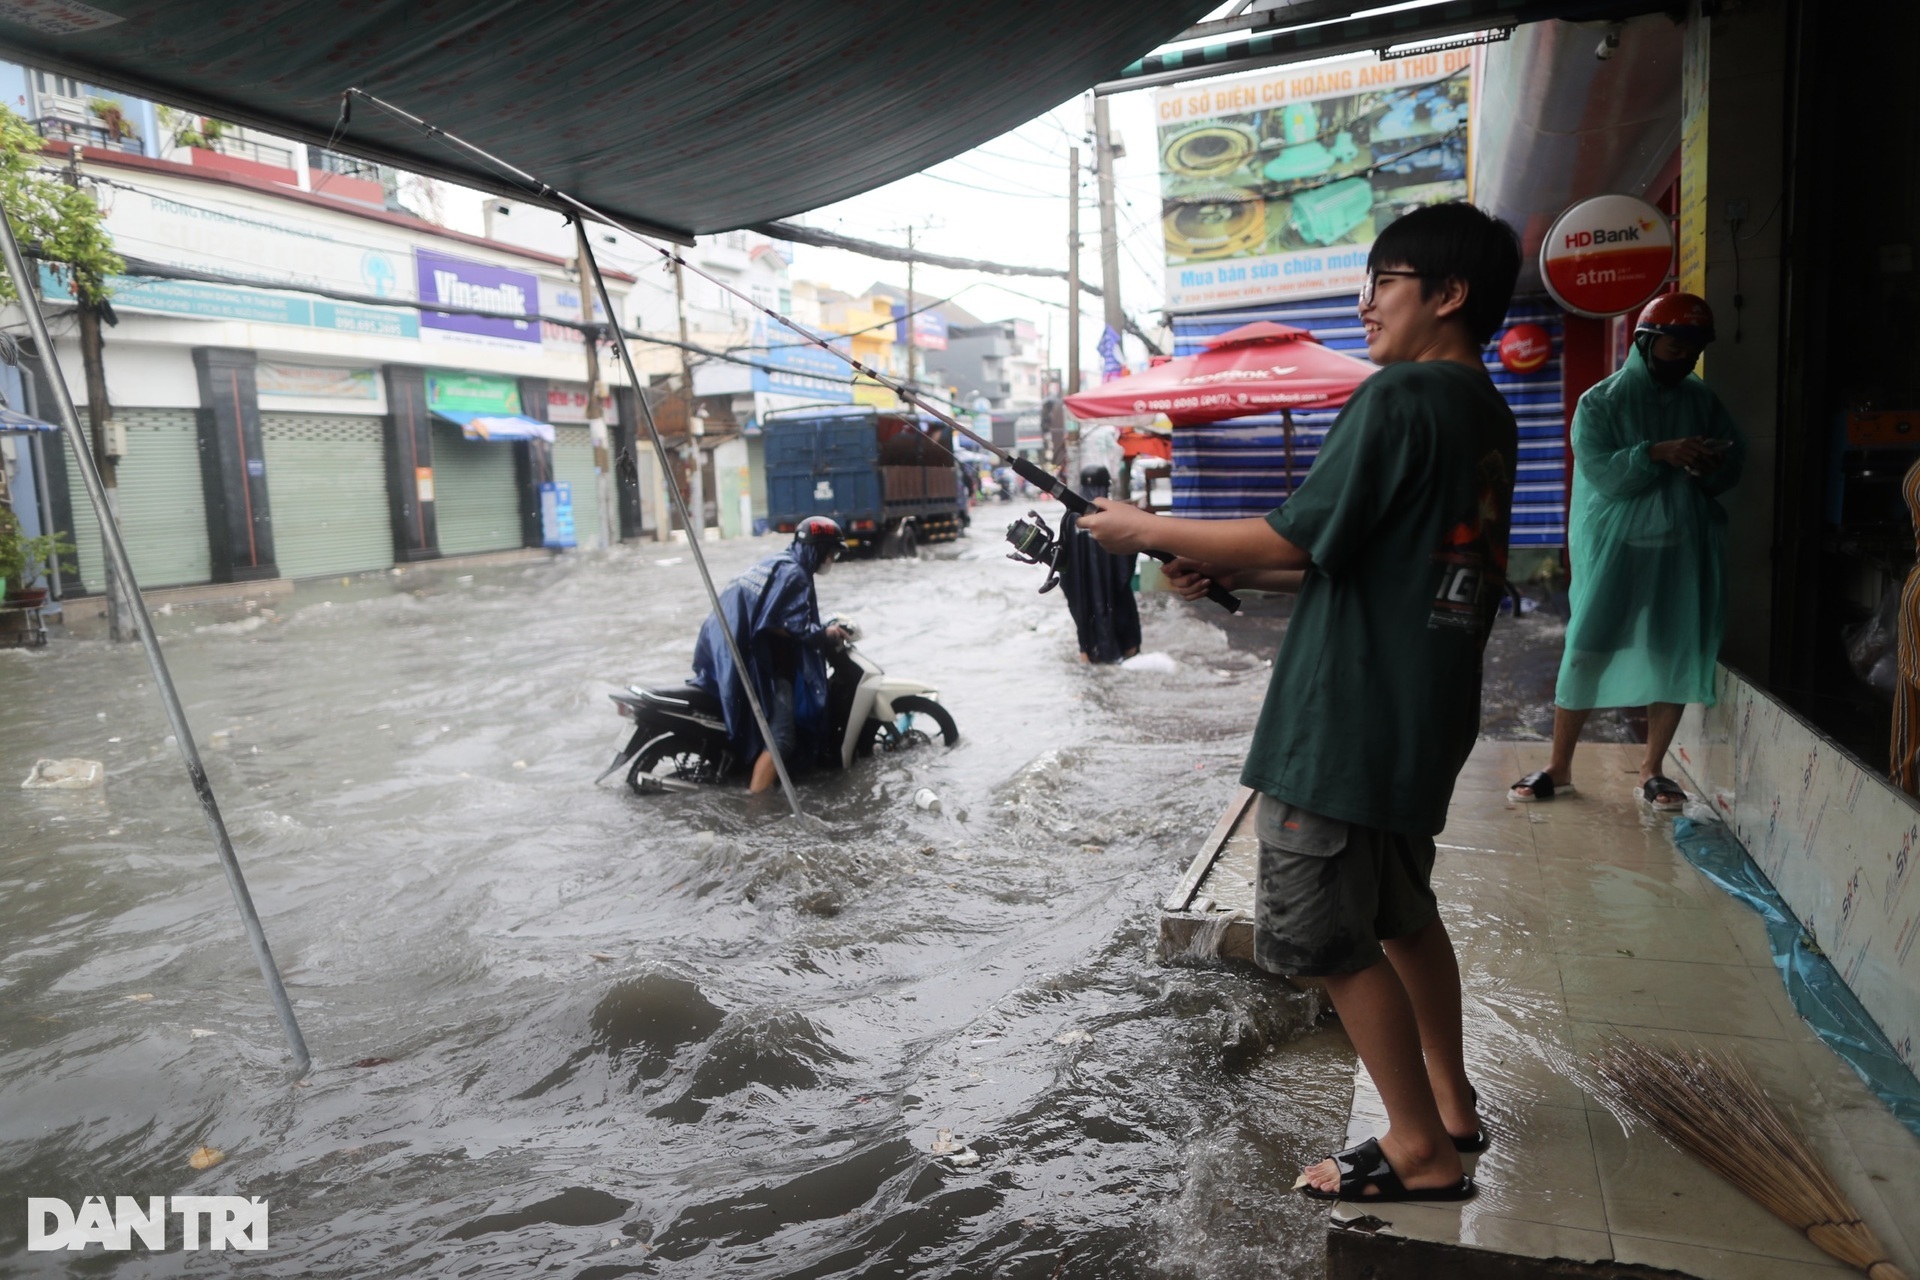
{"x":679,"y":739}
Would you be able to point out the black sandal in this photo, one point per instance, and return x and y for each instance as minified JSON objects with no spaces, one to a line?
{"x":1366,"y":1176}
{"x":1540,"y":786}
{"x":1478,"y":1142}
{"x":1658,"y":786}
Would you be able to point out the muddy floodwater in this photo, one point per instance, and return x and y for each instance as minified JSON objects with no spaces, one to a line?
{"x":652,"y":1036}
{"x":573,"y":1031}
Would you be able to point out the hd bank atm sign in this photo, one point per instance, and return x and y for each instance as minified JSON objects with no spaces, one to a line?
{"x":204,"y":1222}
{"x":1607,"y":256}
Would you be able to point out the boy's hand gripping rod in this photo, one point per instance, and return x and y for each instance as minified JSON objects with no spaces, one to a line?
{"x":1073,"y":501}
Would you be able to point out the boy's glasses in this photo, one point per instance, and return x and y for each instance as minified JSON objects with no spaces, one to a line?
{"x":1375,"y":277}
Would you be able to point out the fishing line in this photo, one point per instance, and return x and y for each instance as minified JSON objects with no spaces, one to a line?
{"x":1067,"y":497}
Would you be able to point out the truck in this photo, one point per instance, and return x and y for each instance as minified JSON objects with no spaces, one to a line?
{"x":888,"y":476}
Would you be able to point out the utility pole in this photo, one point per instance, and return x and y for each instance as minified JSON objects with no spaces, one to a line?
{"x":1073,"y":311}
{"x":1104,"y":153}
{"x":596,"y":403}
{"x":697,"y":499}
{"x":93,"y":363}
{"x":906,"y":321}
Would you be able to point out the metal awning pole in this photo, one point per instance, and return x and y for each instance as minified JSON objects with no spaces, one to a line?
{"x":176,"y":716}
{"x":686,"y":521}
{"x":40,"y":480}
{"x":46,"y":508}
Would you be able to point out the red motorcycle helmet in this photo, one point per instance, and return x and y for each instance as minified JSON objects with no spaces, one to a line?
{"x":1682,"y":316}
{"x":820,"y":530}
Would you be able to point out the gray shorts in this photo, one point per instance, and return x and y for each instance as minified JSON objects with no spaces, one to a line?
{"x":1330,"y":891}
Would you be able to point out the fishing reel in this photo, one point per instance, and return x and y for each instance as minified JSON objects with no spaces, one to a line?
{"x":1034,"y":543}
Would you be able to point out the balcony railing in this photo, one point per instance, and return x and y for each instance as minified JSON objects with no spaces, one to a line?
{"x":346,"y":166}
{"x":63,"y":129}
{"x":258,"y":152}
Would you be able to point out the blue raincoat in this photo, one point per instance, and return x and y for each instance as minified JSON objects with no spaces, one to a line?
{"x":1647,"y":545}
{"x":774,"y":597}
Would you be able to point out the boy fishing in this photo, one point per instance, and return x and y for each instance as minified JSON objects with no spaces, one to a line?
{"x":1397,"y":545}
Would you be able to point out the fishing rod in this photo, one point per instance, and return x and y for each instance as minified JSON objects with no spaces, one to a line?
{"x":1047,"y":483}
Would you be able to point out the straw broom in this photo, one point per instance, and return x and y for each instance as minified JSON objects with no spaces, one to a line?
{"x":1709,"y":1106}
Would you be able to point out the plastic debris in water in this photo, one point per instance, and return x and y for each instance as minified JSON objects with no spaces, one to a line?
{"x":1152,"y":663}
{"x":965,"y":1158}
{"x":206,"y":1158}
{"x":944,"y":1145}
{"x":142,"y":997}
{"x":200,"y":1033}
{"x":1075,"y":1036}
{"x":519,"y":764}
{"x":65,"y":775}
{"x":926,"y":798}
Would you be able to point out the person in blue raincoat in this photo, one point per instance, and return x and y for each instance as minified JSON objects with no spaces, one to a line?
{"x":774,"y":616}
{"x":1653,"y":450}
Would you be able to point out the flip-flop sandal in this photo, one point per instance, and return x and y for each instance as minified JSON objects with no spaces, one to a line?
{"x":1365,"y":1176}
{"x":1478,"y":1142}
{"x":1542,"y":786}
{"x":1654,"y":788}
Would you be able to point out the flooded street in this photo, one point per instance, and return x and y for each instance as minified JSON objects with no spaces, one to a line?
{"x":672,"y":1035}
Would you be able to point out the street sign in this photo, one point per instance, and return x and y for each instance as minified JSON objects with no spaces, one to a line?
{"x":1607,"y":255}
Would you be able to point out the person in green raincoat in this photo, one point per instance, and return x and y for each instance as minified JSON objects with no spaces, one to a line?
{"x":1653,"y":450}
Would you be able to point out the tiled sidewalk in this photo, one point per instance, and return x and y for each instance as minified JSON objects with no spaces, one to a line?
{"x":1577,"y":918}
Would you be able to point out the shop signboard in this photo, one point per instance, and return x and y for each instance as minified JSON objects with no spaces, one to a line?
{"x":454,"y":392}
{"x":1526,"y":348}
{"x":315,"y":382}
{"x":1273,"y":185}
{"x":463,"y":282}
{"x":135,"y":294}
{"x":1607,"y":255}
{"x":785,"y":364}
{"x":929,"y":328}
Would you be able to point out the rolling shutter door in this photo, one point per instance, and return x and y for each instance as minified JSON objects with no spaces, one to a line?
{"x":162,"y":501}
{"x":573,"y":463}
{"x":476,"y":499}
{"x":326,"y":475}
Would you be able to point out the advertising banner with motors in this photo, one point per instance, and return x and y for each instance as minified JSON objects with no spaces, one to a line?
{"x":1607,"y":255}
{"x":462,"y":282}
{"x":1273,"y":185}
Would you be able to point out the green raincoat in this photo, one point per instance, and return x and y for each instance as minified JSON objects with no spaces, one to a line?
{"x":1647,"y":545}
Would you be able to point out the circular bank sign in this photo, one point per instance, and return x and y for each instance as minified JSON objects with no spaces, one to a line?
{"x":1607,"y":255}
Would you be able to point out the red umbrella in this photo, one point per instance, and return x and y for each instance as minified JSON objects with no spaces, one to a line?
{"x":1258,"y":368}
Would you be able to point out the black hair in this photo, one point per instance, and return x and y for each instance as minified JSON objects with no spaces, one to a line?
{"x":1456,"y":241}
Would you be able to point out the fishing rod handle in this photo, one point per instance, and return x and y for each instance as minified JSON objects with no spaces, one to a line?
{"x":1215,"y":592}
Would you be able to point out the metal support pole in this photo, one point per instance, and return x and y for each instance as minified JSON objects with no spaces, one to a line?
{"x":1073,"y":309}
{"x":46,"y":508}
{"x":143,"y":624}
{"x":597,"y":411}
{"x":693,"y":541}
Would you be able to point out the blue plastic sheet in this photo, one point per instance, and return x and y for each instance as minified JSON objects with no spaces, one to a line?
{"x":1818,"y":992}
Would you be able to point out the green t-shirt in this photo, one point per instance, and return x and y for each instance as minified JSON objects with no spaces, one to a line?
{"x":1375,"y":698}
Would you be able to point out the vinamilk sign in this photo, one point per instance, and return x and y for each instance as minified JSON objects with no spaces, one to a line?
{"x":1607,"y":255}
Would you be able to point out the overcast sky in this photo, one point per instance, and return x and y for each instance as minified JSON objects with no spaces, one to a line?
{"x":1006,"y":201}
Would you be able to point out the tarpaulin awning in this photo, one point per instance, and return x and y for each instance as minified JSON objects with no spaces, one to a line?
{"x":1258,"y":368}
{"x":11,"y":421}
{"x":688,"y":118}
{"x":496,"y":426}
